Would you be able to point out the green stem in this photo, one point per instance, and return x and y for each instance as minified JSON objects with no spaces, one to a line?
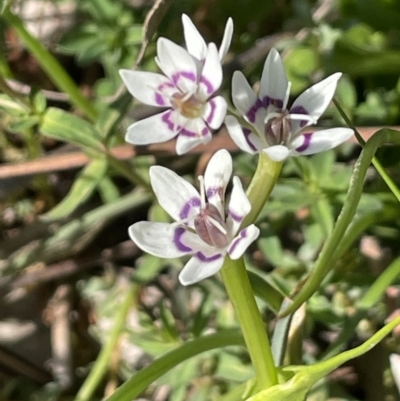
{"x":377,"y":164}
{"x":327,"y":254}
{"x":237,"y":285}
{"x":102,"y":362}
{"x":128,"y":172}
{"x":261,"y":186}
{"x":50,"y":65}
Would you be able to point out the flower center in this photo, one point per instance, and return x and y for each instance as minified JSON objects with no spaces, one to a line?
{"x":278,"y":128}
{"x":188,"y":105}
{"x":211,"y":228}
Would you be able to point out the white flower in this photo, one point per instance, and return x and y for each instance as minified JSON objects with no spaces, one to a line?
{"x":187,"y":91}
{"x":195,"y":43}
{"x":278,"y":130}
{"x":202,"y":229}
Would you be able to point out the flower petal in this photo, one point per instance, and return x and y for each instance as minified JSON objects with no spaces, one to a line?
{"x":274,"y":84}
{"x":176,"y":196}
{"x":244,"y":98}
{"x":211,"y":75}
{"x":195,"y":132}
{"x":243,"y":137}
{"x":150,"y":88}
{"x":239,"y":206}
{"x":319,"y":141}
{"x":216,"y":179}
{"x":195,"y":43}
{"x":277,"y":153}
{"x":314,"y":101}
{"x":242,"y":241}
{"x":226,"y":40}
{"x":177,"y":64}
{"x":215,"y":112}
{"x":201,"y":266}
{"x":154,"y":129}
{"x":158,"y":239}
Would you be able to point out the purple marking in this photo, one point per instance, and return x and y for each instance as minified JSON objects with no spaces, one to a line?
{"x":242,"y":234}
{"x":188,"y":133}
{"x":247,"y":133}
{"x":213,"y":191}
{"x":204,"y":258}
{"x":166,"y":119}
{"x":212,"y":111}
{"x":306,"y":143}
{"x":208,"y":84}
{"x":267,"y":101}
{"x":159,"y":96}
{"x":235,"y":216}
{"x":299,"y":110}
{"x":184,"y":213}
{"x":178,"y":242}
{"x":251,"y":114}
{"x":159,"y":99}
{"x":183,"y":74}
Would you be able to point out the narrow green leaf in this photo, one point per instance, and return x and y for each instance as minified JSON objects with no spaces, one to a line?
{"x":304,"y":377}
{"x":265,"y":291}
{"x":138,"y":383}
{"x":67,"y":127}
{"x":81,"y":190}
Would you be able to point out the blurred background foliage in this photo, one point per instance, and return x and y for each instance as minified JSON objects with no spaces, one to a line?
{"x":66,"y":263}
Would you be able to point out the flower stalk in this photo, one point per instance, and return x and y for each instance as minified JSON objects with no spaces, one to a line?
{"x":238,"y":287}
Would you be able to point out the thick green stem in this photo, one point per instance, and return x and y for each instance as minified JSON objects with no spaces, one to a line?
{"x":50,"y":65}
{"x":102,"y":362}
{"x":237,"y":285}
{"x":327,"y":254}
{"x":261,"y":186}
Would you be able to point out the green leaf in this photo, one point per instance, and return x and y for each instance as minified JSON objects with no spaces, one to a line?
{"x":81,"y":190}
{"x":138,"y":383}
{"x":67,"y":127}
{"x":24,"y":123}
{"x":300,"y":379}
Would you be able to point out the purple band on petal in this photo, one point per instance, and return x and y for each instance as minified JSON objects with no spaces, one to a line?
{"x":194,"y":202}
{"x":159,"y":97}
{"x":251,"y":114}
{"x":183,"y":74}
{"x":191,"y":134}
{"x":207,"y":84}
{"x":247,"y":133}
{"x":267,"y":101}
{"x":299,"y":110}
{"x":235,"y":216}
{"x":306,"y":143}
{"x":213,"y":191}
{"x":210,"y":117}
{"x":177,"y":240}
{"x":159,"y":100}
{"x":242,"y":234}
{"x":204,"y":258}
{"x":170,"y":124}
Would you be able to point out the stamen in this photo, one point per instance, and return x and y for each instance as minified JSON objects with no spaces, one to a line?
{"x":270,"y":116}
{"x":189,"y":95}
{"x":202,"y":192}
{"x":287,"y":94}
{"x":302,"y":117}
{"x":217,"y":225}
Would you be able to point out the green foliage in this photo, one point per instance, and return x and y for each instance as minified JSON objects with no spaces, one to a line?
{"x":312,"y":228}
